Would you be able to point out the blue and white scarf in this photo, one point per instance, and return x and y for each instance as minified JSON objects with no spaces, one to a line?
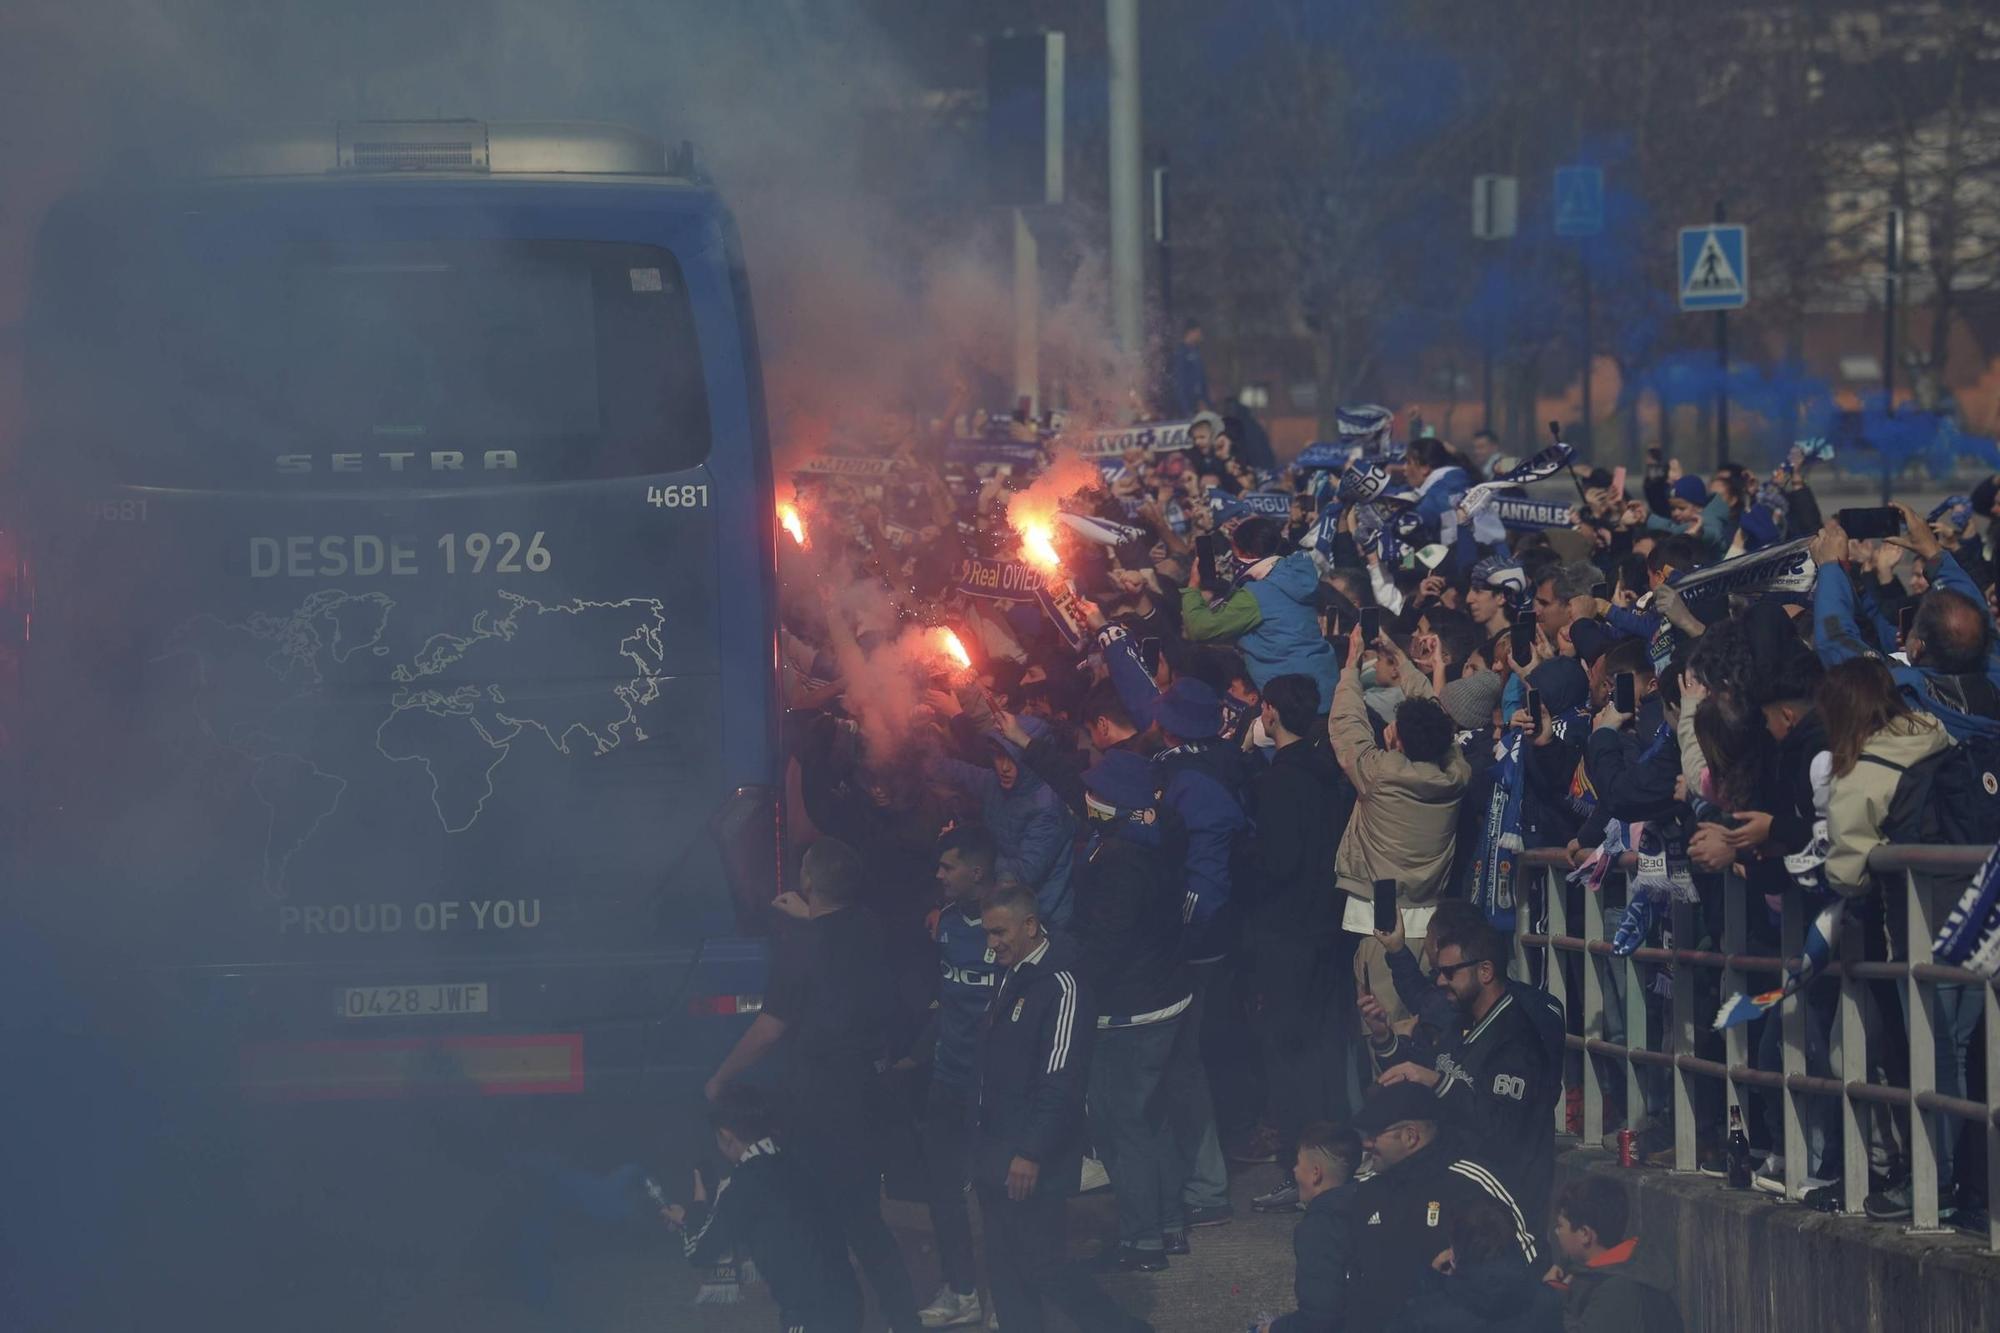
{"x":1971,"y":935}
{"x":1366,"y":427}
{"x":1500,"y":841}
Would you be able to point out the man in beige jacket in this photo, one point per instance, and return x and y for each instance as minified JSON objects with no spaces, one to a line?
{"x":1405,"y":822}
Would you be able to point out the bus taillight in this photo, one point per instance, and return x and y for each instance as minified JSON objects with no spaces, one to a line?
{"x":725,"y":1006}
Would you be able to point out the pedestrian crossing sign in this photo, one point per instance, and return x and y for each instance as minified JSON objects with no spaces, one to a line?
{"x":1715,"y":267}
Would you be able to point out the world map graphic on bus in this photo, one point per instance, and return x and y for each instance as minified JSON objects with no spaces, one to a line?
{"x":263,"y":684}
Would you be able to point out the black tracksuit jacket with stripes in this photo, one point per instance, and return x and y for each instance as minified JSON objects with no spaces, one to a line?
{"x":1034,"y":1063}
{"x":1402,"y":1221}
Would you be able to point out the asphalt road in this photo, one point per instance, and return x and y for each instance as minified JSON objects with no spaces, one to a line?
{"x":501,"y":1217}
{"x":634,"y":1282}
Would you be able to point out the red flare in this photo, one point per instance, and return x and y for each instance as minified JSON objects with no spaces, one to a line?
{"x":789,"y":520}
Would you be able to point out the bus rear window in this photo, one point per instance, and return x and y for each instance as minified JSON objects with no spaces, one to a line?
{"x":185,"y":357}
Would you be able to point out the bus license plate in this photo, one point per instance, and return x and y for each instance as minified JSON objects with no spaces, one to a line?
{"x":426,"y":1001}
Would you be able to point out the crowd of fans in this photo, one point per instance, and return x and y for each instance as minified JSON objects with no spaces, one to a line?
{"x":1229,"y":796}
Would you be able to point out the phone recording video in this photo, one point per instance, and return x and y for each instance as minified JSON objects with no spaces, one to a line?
{"x":1871,"y":524}
{"x":1204,"y":558}
{"x":1625,"y":693}
{"x":1523,"y":644}
{"x":1385,"y":905}
{"x":1371,"y":624}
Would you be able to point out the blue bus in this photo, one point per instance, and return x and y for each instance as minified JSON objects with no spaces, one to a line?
{"x":395,"y":628}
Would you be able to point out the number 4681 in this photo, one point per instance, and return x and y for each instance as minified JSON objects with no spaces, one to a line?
{"x":678,"y":497}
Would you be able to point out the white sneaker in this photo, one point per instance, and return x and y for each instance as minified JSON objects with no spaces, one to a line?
{"x":1095,"y":1177}
{"x":948,"y":1309}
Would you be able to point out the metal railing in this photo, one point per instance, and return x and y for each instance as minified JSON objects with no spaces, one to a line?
{"x":1740,"y":971}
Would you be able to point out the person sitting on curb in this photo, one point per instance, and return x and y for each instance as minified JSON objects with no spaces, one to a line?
{"x":1615,"y":1285}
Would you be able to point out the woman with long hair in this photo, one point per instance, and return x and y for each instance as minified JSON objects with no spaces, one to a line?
{"x":1875,"y":738}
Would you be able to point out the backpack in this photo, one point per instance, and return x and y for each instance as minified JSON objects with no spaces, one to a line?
{"x":1951,"y":797}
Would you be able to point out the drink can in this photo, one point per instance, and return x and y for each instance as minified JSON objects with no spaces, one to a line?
{"x":1628,"y":1148}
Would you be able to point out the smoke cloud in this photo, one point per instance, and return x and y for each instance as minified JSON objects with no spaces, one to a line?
{"x":868,"y":306}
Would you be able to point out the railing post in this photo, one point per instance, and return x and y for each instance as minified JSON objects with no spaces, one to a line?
{"x":1686,"y":1145}
{"x":1593,"y":1018}
{"x":1792,"y":1027}
{"x":1923,"y":1061}
{"x":1552,"y":972}
{"x":1735,"y":931}
{"x":1991,"y":1031}
{"x":1852,"y":1063}
{"x":1524,"y":921}
{"x":1638,"y":1111}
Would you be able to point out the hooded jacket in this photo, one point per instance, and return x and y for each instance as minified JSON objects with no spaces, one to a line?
{"x":1627,"y":1289}
{"x":1028,"y":820}
{"x":1860,"y":800}
{"x":1274,"y":622}
{"x":1128,"y":899}
{"x":1405,"y":824}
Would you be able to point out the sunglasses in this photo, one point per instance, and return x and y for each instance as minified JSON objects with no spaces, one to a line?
{"x":1451,"y":970}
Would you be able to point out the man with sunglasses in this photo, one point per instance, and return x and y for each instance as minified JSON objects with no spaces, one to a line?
{"x":1403,"y":1211}
{"x":1491,"y":1078}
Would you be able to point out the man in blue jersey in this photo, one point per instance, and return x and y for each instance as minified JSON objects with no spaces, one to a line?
{"x":967,"y":972}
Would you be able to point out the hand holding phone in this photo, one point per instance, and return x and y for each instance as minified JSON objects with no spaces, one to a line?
{"x":1625,"y":693}
{"x":1905,"y":619}
{"x":1871,"y":524}
{"x":1204,"y":560}
{"x":1535,"y":707}
{"x":1523,"y":645}
{"x":1371,"y":624}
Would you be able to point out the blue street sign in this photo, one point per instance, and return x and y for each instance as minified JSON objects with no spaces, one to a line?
{"x":1715,"y":267}
{"x":1579,"y":201}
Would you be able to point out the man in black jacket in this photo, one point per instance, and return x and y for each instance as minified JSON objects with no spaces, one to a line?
{"x":1127,"y":920}
{"x":1490,"y":1079}
{"x":1301,"y":963}
{"x":830,"y":1001}
{"x":1034,"y":1062}
{"x":1323,"y":1241}
{"x":1435,"y":1006}
{"x":769,"y":1210}
{"x":1403,"y":1212}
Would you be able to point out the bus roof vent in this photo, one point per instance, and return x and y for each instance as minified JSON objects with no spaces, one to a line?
{"x":413,"y":145}
{"x":444,"y":147}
